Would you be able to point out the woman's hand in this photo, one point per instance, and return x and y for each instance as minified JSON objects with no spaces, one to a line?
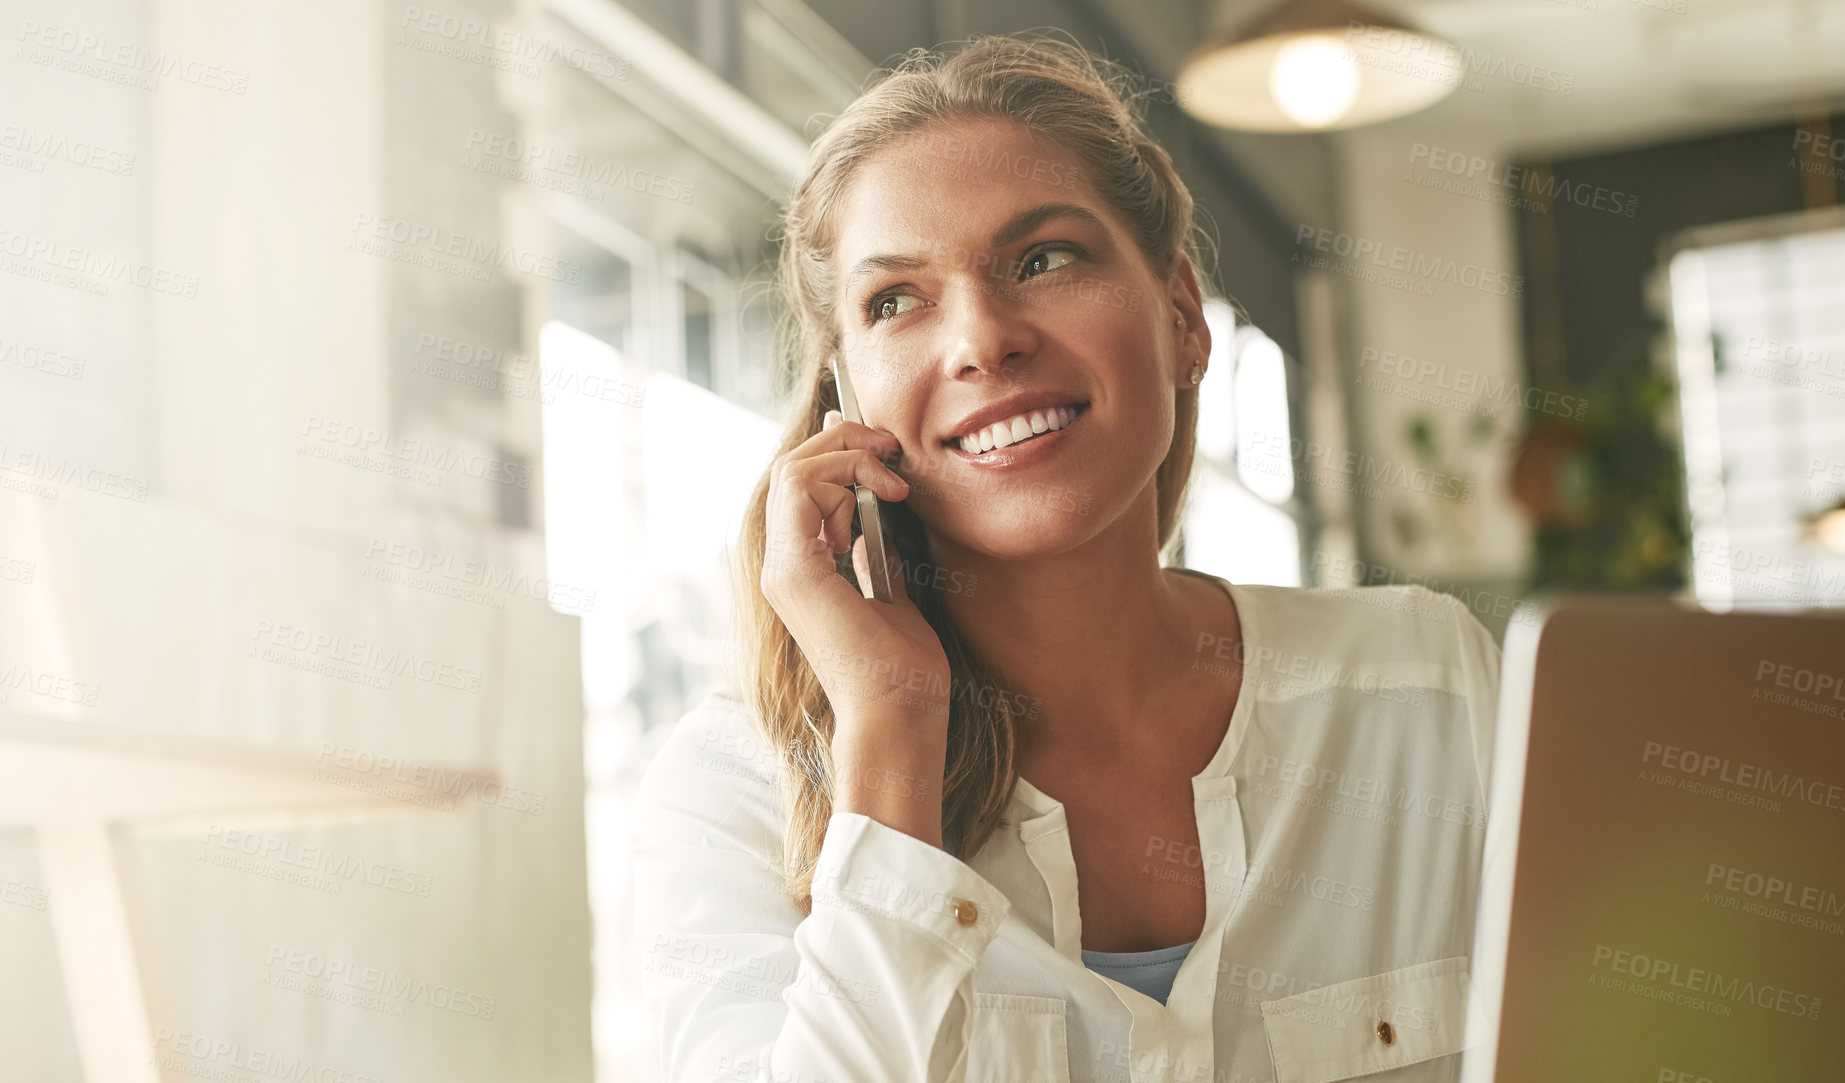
{"x":881,"y":664}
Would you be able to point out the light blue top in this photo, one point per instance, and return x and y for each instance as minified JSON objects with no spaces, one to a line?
{"x":1150,"y":972}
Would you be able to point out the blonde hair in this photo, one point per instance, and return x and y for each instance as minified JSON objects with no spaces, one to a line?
{"x":1089,"y":108}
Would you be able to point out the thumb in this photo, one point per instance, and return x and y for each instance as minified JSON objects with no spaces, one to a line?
{"x":861,"y":567}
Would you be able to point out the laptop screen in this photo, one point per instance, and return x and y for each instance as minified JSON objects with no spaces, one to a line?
{"x":1663,"y":899}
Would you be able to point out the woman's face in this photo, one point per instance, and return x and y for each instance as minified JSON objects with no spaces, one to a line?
{"x":982,"y":279}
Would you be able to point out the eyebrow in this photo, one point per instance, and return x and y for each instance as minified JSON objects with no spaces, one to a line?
{"x":1019,"y":225}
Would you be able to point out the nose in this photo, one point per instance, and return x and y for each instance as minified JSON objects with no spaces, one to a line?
{"x":987,"y":331}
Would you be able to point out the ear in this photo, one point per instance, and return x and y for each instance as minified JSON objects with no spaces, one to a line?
{"x":1185,"y":305}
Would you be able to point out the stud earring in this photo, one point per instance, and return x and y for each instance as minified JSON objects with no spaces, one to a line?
{"x":1179,"y":323}
{"x":1197,"y":372}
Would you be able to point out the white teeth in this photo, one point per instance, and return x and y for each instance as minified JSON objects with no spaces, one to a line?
{"x":1015,"y":429}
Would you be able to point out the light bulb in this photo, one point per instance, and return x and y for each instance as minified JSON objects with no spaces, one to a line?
{"x":1831,"y":529}
{"x":1314,"y":80}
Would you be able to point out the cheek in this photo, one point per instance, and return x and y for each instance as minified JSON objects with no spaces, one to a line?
{"x":890,"y":396}
{"x":1097,"y":325}
{"x":932,"y":493}
{"x":1133,"y":367}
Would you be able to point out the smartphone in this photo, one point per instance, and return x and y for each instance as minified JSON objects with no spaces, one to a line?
{"x":870,"y":517}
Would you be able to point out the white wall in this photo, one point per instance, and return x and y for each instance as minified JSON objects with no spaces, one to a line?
{"x":1471,"y":335}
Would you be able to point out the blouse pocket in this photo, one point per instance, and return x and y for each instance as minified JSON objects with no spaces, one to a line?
{"x":1370,"y":1024}
{"x":1016,"y":1039}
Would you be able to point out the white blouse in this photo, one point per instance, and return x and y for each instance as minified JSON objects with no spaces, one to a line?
{"x":1340,"y":826}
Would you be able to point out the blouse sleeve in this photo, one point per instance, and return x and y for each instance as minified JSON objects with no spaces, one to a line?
{"x":876,"y":983}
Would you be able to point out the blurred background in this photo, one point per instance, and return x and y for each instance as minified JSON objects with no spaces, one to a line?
{"x":381,"y":384}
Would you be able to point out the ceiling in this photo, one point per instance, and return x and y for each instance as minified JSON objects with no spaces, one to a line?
{"x":1639,"y":71}
{"x":1643,"y":73}
{"x":1638,"y":74}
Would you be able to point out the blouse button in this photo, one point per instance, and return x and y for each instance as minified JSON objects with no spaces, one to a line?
{"x":1386,"y":1033}
{"x":966,"y":912}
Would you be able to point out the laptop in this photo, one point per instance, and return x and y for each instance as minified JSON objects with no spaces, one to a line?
{"x":1663,"y":892}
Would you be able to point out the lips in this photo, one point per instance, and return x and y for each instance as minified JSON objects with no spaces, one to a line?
{"x":1018,"y":428}
{"x":1017,"y":452}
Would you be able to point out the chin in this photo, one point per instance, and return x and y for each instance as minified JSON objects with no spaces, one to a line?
{"x":1022,"y":534}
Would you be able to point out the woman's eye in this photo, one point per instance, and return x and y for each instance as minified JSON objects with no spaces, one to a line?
{"x":1048,"y":260}
{"x":889,"y":305}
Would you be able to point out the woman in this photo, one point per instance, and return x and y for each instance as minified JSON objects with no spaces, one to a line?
{"x":1055,"y":812}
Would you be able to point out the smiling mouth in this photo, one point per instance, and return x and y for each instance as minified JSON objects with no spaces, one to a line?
{"x":1019,"y":429}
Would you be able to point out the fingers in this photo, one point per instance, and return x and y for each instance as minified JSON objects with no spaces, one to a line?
{"x":811,"y":498}
{"x":838,"y":434}
{"x":836,"y":532}
{"x":805,"y":507}
{"x":854,"y":467}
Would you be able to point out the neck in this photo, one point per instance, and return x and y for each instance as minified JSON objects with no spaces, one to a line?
{"x":1095,"y":633}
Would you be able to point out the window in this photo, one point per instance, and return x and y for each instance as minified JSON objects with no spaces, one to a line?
{"x":1241,"y":517}
{"x":1760,"y":350}
{"x":659,"y":392}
